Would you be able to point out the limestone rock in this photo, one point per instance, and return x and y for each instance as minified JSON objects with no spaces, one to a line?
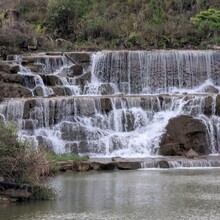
{"x":191,"y":154}
{"x":76,"y":132}
{"x":28,"y":124}
{"x":171,"y":149}
{"x":218,"y":105}
{"x":14,"y":190}
{"x":61,"y":91}
{"x":128,"y":165}
{"x":183,"y":133}
{"x":208,"y":105}
{"x":4,"y":67}
{"x":14,"y":69}
{"x":10,"y":91}
{"x":11,"y":78}
{"x":65,"y":165}
{"x":106,"y":105}
{"x":103,"y":166}
{"x":28,"y":108}
{"x":51,"y":80}
{"x":75,"y":70}
{"x":54,"y":53}
{"x":83,"y":79}
{"x":38,"y":91}
{"x":163,"y":164}
{"x":106,"y":89}
{"x":82,"y":166}
{"x":210,"y":89}
{"x":79,"y":147}
{"x":79,"y":57}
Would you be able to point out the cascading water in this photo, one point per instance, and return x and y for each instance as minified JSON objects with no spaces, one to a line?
{"x":125,"y":107}
{"x":135,"y":72}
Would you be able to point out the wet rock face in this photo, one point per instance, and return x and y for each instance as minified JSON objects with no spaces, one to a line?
{"x":51,"y":80}
{"x":75,"y":70}
{"x":218,"y":105}
{"x":79,"y":57}
{"x":210,"y":89}
{"x":182,"y":134}
{"x":10,"y":90}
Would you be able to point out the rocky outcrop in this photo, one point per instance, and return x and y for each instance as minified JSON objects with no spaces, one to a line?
{"x":51,"y":80}
{"x":210,"y":89}
{"x":11,"y":192}
{"x":11,"y":83}
{"x":83,"y":80}
{"x":75,"y":70}
{"x":38,"y":91}
{"x":191,"y":154}
{"x":79,"y":57}
{"x":182,"y":134}
{"x":10,"y":90}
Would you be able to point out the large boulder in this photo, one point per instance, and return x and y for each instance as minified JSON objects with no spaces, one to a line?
{"x":182,"y":134}
{"x":75,"y":70}
{"x":38,"y":91}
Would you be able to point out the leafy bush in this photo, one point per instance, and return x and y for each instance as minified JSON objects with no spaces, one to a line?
{"x":19,"y":162}
{"x":208,"y":20}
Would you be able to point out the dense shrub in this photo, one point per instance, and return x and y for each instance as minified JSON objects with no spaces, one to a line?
{"x":133,"y":24}
{"x":19,"y":162}
{"x":208,"y":20}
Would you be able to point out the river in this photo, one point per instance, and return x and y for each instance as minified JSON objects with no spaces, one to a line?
{"x":141,"y":194}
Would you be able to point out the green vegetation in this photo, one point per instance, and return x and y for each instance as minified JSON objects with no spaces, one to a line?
{"x":209,"y":22}
{"x":55,"y":158}
{"x":122,"y":24}
{"x":22,"y":164}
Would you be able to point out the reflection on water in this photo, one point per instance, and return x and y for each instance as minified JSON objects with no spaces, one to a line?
{"x":142,"y":194}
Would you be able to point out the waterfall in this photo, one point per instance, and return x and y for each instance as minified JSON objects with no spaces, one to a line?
{"x":135,"y":72}
{"x":124,"y":108}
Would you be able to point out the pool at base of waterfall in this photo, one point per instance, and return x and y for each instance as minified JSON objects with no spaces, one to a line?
{"x":141,"y":194}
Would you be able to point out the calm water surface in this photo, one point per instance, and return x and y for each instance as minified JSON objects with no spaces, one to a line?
{"x":141,"y":194}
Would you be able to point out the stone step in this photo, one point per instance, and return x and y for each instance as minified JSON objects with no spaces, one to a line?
{"x":99,"y":164}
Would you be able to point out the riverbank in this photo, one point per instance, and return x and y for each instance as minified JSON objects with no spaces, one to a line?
{"x":118,"y":163}
{"x":11,"y":192}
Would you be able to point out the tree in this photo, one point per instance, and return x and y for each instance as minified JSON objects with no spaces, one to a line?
{"x":209,"y":20}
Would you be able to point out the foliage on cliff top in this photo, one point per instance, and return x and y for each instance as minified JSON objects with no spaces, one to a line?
{"x":120,"y":24}
{"x":208,"y":19}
